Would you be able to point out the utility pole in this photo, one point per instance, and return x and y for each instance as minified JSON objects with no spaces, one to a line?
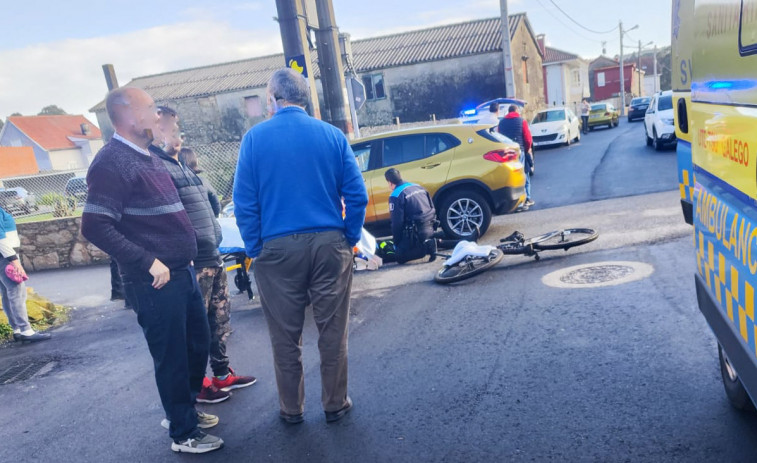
{"x":622,"y":79}
{"x":654,"y":66}
{"x":346,"y":46}
{"x":638,"y":66}
{"x":507,"y":54}
{"x":106,"y":127}
{"x":294,"y":38}
{"x":332,"y":71}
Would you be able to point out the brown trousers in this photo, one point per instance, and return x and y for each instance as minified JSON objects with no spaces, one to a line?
{"x":291,"y":272}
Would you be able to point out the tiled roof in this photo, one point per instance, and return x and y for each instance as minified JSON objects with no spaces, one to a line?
{"x":53,"y":132}
{"x":17,"y":160}
{"x":432,"y":44}
{"x":553,"y":55}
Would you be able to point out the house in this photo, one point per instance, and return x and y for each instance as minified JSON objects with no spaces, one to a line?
{"x":17,"y":160}
{"x":60,"y":143}
{"x":411,"y":75}
{"x":606,"y":82}
{"x":566,"y":77}
{"x":598,"y":63}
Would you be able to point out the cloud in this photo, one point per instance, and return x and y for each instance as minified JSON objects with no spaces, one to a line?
{"x":69,"y":73}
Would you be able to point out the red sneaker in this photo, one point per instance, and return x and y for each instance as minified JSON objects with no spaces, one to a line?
{"x":233,"y":381}
{"x":210,"y":394}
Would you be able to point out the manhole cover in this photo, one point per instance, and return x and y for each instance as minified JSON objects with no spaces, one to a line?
{"x":27,"y":368}
{"x":598,"y":274}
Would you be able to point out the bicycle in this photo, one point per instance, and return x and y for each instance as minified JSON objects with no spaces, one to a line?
{"x":470,"y":259}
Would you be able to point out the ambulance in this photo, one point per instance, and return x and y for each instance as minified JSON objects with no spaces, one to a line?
{"x":715,"y":99}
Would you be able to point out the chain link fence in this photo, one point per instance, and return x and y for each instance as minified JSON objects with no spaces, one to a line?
{"x":44,"y":196}
{"x":57,"y":194}
{"x":218,"y":163}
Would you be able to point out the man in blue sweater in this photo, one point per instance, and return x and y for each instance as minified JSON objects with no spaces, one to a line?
{"x":292,"y":174}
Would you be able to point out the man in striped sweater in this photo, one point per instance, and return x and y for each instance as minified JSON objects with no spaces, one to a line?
{"x":134,"y":213}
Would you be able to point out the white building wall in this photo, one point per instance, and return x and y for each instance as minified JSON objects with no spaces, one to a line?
{"x":555,"y":85}
{"x":70,"y":159}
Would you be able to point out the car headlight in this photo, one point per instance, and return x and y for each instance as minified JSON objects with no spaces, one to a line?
{"x":667,"y":121}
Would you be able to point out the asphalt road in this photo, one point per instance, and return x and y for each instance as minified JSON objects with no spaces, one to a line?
{"x":504,"y":367}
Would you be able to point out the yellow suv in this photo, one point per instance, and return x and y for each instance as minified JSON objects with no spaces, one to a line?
{"x":469,"y":171}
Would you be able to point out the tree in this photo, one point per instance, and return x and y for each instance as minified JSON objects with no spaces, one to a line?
{"x":1,"y":124}
{"x":15,"y":114}
{"x":664,"y":65}
{"x":52,"y":110}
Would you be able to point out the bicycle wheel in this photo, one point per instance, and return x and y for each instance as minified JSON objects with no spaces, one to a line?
{"x":470,"y":267}
{"x":564,"y":239}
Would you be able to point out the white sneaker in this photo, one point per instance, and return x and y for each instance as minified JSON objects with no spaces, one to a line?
{"x":198,"y":443}
{"x":204,"y":421}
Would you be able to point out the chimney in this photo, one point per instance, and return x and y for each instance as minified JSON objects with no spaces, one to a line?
{"x":84,"y":128}
{"x":540,"y":40}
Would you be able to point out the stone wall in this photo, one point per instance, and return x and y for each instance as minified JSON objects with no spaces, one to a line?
{"x":56,"y":243}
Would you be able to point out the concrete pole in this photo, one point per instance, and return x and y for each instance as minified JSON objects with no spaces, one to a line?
{"x":110,"y":77}
{"x":294,"y":38}
{"x":654,"y":66}
{"x":346,"y":47}
{"x":332,"y":71}
{"x":622,"y":79}
{"x":507,"y":53}
{"x":638,"y":67}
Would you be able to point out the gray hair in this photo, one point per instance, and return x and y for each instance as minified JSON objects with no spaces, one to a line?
{"x":289,"y":85}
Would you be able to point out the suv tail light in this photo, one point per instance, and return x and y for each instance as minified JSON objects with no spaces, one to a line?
{"x":501,"y":156}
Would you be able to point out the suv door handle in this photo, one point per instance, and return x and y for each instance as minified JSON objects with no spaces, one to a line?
{"x":431,"y":166}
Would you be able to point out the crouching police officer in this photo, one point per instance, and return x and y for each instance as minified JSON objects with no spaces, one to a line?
{"x":413,"y":221}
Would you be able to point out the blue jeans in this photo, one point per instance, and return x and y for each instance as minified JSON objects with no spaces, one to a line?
{"x":14,"y":300}
{"x":528,"y":186}
{"x":175,"y":325}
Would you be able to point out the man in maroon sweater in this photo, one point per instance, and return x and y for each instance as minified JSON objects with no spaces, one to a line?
{"x":134,"y":213}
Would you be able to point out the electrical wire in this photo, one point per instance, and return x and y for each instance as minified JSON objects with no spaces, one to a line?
{"x":557,"y":18}
{"x":581,"y":25}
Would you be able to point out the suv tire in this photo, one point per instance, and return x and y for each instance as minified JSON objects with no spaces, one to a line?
{"x":656,"y":141}
{"x":460,"y":209}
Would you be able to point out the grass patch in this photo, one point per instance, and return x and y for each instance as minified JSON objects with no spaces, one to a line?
{"x":45,"y":216}
{"x":43,"y":314}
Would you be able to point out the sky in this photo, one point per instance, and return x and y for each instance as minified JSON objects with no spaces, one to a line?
{"x":52,"y":51}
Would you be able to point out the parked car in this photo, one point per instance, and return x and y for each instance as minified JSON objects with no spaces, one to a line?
{"x":638,"y":108}
{"x":471,"y":116}
{"x":603,"y":114}
{"x":76,"y":190}
{"x":469,"y":171}
{"x":555,"y":126}
{"x":17,"y":200}
{"x":658,"y":121}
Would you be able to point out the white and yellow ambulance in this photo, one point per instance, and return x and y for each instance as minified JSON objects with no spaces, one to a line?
{"x":715,"y":92}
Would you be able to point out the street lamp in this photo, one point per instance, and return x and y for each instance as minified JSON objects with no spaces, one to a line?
{"x":622,"y":78}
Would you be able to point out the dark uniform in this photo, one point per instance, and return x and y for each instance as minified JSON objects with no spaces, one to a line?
{"x":413,"y":218}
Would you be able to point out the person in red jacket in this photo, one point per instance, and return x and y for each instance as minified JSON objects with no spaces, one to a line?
{"x":516,"y":128}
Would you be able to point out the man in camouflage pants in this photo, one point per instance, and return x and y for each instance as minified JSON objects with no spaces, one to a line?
{"x":215,"y":293}
{"x":211,"y":275}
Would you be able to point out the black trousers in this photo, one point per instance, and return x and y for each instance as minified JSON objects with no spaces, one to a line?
{"x":175,"y":325}
{"x":585,"y":124}
{"x":116,"y":287}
